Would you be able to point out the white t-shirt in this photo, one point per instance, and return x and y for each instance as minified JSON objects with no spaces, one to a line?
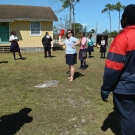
{"x":12,"y":37}
{"x":47,"y":36}
{"x":89,"y":40}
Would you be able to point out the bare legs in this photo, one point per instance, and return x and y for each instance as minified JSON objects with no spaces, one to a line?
{"x":72,"y":71}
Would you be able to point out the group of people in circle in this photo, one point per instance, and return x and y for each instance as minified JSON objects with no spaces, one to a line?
{"x":71,"y":53}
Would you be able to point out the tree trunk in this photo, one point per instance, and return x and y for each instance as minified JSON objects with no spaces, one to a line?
{"x":70,"y":14}
{"x":119,"y":22}
{"x":74,"y":19}
{"x":110,"y":24}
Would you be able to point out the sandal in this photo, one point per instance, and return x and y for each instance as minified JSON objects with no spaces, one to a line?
{"x":71,"y":80}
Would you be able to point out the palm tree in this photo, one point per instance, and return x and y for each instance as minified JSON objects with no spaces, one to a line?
{"x":119,"y":7}
{"x":69,"y":3}
{"x":78,"y":29}
{"x":106,"y":31}
{"x":108,"y":8}
{"x":66,"y":3}
{"x":92,"y":31}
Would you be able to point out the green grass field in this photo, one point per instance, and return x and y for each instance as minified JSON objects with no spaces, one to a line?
{"x":70,"y":108}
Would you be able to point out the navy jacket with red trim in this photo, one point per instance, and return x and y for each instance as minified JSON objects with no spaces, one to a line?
{"x":119,"y":73}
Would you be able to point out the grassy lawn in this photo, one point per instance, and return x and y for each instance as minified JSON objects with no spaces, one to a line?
{"x":70,"y":108}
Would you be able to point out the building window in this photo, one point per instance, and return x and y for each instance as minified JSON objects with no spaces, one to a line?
{"x":35,"y":28}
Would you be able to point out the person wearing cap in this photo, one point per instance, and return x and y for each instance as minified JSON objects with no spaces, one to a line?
{"x":46,"y":41}
{"x":119,"y":73}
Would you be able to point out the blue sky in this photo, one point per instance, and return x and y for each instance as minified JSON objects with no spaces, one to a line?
{"x":87,"y":12}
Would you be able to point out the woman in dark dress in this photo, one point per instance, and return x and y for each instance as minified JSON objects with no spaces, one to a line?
{"x":90,"y":45}
{"x":103,"y":44}
{"x":83,"y":51}
{"x":14,"y":44}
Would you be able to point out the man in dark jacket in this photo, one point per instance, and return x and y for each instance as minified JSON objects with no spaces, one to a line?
{"x":119,"y":74}
{"x":46,"y":41}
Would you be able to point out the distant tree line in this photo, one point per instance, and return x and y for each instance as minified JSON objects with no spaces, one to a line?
{"x":78,"y":28}
{"x":113,"y":7}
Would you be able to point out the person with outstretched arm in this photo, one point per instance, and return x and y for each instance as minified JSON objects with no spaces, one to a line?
{"x":71,"y":53}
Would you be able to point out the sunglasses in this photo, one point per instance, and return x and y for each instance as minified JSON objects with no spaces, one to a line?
{"x":68,"y":32}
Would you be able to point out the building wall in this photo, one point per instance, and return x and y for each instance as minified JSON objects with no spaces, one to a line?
{"x":22,"y":29}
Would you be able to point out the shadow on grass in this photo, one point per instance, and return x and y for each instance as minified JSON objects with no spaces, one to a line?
{"x":91,"y":57}
{"x":111,"y":122}
{"x":52,"y":56}
{"x":86,"y":66}
{"x":3,"y":62}
{"x":24,"y":58}
{"x":11,"y":124}
{"x":49,"y":56}
{"x":77,"y":75}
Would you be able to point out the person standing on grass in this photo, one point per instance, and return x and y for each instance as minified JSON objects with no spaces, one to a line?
{"x":46,"y":41}
{"x":83,"y":51}
{"x":119,"y":74}
{"x":14,"y":44}
{"x":103,"y":44}
{"x":90,"y":45}
{"x":71,"y":53}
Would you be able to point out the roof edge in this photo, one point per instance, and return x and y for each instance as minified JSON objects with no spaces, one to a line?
{"x":24,"y":5}
{"x":6,"y":20}
{"x":34,"y":19}
{"x":26,"y":19}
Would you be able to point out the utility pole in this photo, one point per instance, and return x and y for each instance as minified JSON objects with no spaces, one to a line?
{"x":66,"y":24}
{"x":74,"y":18}
{"x":119,"y":22}
{"x":70,"y":14}
{"x":110,"y":24}
{"x":96,"y":27}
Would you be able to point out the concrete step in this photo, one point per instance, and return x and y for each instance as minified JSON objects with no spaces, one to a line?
{"x":4,"y":48}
